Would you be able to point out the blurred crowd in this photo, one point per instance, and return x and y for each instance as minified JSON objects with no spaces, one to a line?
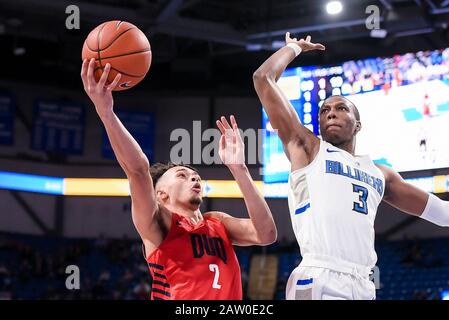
{"x":416,"y":256}
{"x":384,"y":73}
{"x":35,"y":267}
{"x":109,"y":269}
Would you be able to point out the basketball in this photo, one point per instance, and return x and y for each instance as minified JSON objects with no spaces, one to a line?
{"x":122,"y":45}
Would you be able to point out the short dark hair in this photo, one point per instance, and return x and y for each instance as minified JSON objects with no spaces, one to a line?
{"x":158,"y":169}
{"x":356,"y":111}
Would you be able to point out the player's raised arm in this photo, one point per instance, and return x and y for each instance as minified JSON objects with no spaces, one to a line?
{"x":260,"y":228}
{"x":128,"y":152}
{"x":412,"y":200}
{"x":281,"y":113}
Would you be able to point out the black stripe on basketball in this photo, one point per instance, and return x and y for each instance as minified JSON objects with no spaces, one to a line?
{"x":125,"y":54}
{"x":98,"y":43}
{"x":87,"y":45}
{"x":116,"y":37}
{"x":127,"y":74}
{"x":89,"y":48}
{"x":113,"y":40}
{"x":119,"y":22}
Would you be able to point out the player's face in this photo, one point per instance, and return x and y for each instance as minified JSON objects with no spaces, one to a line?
{"x":337,"y":120}
{"x":183,"y":185}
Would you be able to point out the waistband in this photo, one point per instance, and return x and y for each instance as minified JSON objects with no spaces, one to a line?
{"x":335,"y":264}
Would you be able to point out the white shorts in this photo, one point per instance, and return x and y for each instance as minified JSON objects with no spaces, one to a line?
{"x":308,"y":282}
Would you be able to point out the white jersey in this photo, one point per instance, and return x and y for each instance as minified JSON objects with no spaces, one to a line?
{"x":333,"y":203}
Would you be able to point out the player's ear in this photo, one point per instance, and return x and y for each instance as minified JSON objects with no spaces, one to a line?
{"x":358,"y":126}
{"x":161,"y":195}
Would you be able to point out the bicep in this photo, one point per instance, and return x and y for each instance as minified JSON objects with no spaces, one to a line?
{"x":240,"y":231}
{"x":143,"y":201}
{"x":404,"y":196}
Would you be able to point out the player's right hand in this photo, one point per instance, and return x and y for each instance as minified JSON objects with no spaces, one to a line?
{"x":99,"y":92}
{"x":306,"y":45}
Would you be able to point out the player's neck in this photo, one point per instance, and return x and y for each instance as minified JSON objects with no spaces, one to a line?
{"x":192,"y":213}
{"x":348,"y":146}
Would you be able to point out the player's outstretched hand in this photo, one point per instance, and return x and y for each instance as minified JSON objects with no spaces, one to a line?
{"x":306,"y":45}
{"x":232,"y":148}
{"x":99,"y":92}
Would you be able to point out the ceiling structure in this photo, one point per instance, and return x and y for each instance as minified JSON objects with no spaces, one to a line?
{"x":210,"y":45}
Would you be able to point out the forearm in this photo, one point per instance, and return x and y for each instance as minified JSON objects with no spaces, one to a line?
{"x":258,"y":210}
{"x":282,"y":115}
{"x":128,"y":152}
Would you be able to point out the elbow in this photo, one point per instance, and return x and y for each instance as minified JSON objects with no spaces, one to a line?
{"x":257,"y":75}
{"x":269,"y":238}
{"x":260,"y":76}
{"x":139,"y":167}
{"x":273,"y":236}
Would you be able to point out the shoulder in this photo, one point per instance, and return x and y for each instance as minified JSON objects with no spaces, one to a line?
{"x":391,"y":176}
{"x":218,"y":220}
{"x":217,"y":215}
{"x":387,"y":171}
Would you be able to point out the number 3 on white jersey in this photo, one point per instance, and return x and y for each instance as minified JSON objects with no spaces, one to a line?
{"x":214,"y":268}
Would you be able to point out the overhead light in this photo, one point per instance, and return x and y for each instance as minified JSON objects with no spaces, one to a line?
{"x":19,"y":51}
{"x":445,"y":295}
{"x":413,"y":32}
{"x":378,"y":33}
{"x":277,"y":44}
{"x":334,"y":7}
{"x":253,"y":47}
{"x":14,"y":22}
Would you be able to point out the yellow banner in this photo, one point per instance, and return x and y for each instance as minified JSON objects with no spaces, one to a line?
{"x":225,"y":189}
{"x":96,"y":187}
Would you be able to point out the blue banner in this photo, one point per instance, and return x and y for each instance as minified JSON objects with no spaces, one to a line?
{"x":141,"y":126}
{"x":7,"y":112}
{"x":58,"y":127}
{"x":31,"y":183}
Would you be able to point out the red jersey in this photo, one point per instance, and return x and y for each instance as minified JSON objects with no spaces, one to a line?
{"x":195,"y":262}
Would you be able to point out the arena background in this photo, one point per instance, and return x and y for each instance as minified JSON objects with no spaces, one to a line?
{"x":204,"y":55}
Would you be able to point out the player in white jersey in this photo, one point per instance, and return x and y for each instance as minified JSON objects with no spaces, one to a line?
{"x":333,"y":193}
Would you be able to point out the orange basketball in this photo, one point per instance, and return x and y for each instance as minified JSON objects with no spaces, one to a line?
{"x":124,"y":46}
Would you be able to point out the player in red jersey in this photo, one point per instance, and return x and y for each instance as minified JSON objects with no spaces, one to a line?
{"x":190,"y":255}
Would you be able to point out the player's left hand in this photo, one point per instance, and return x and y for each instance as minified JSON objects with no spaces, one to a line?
{"x":232,"y":148}
{"x":305,"y":44}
